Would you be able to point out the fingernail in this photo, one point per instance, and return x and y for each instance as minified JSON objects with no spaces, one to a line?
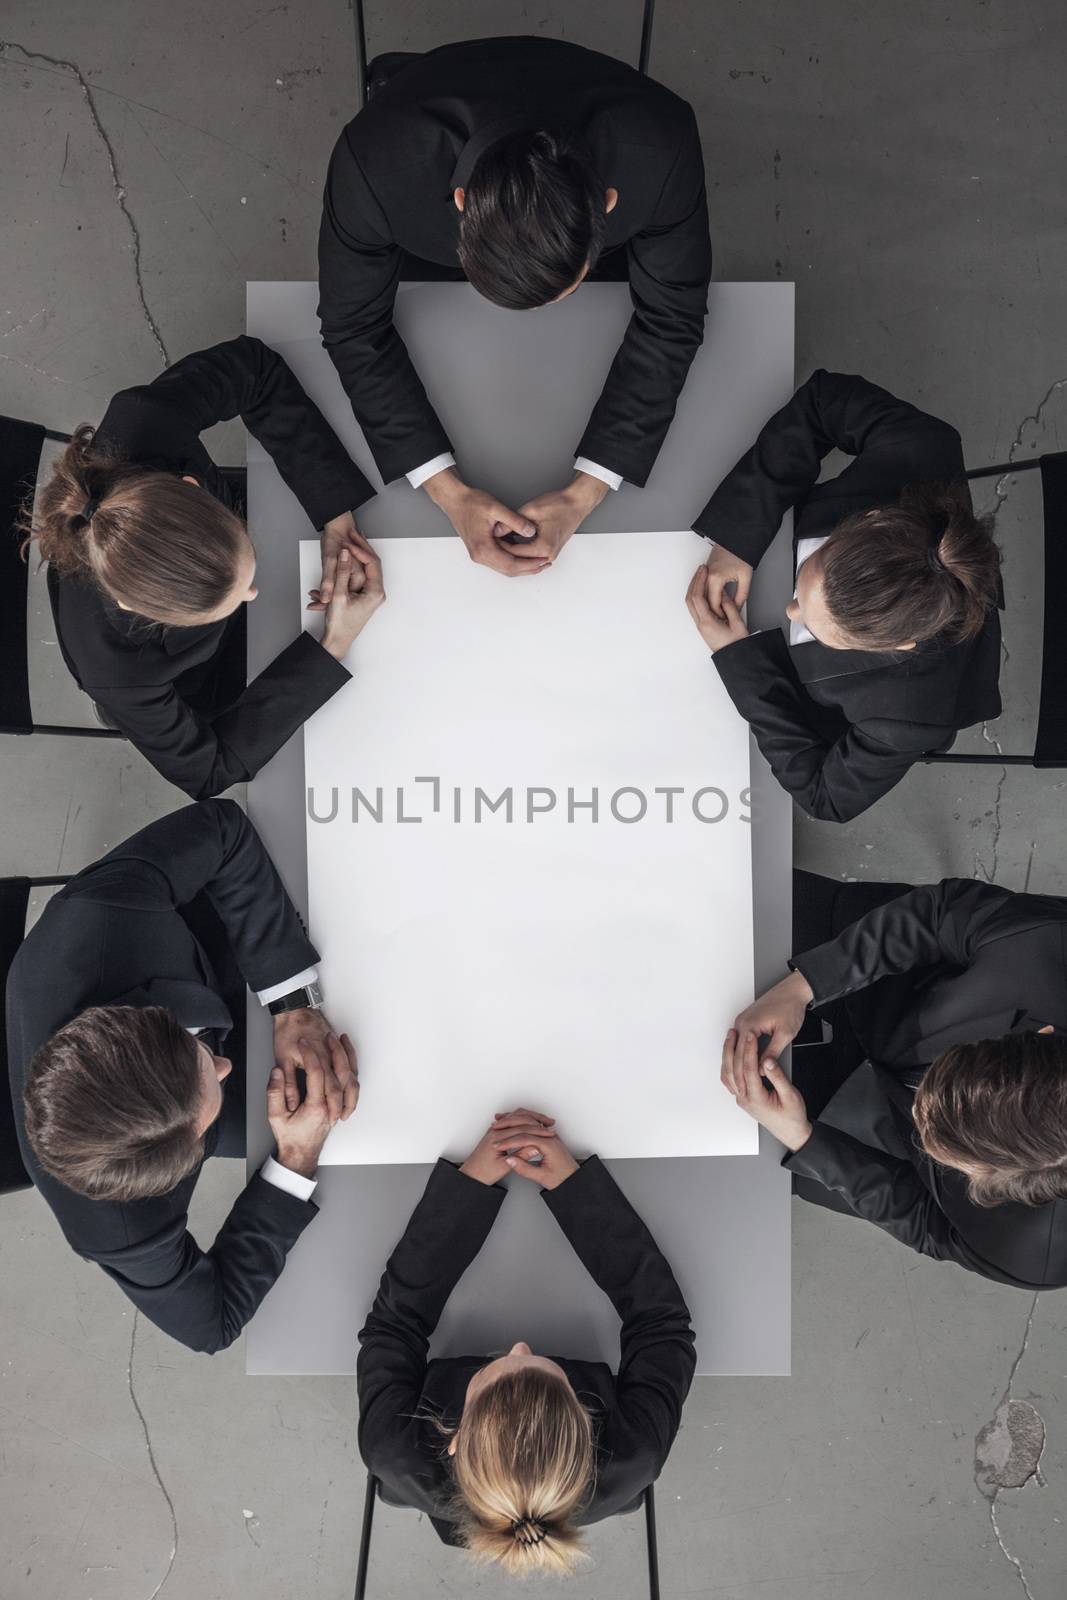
{"x":276,"y":1073}
{"x":510,"y":1160}
{"x":344,"y":555}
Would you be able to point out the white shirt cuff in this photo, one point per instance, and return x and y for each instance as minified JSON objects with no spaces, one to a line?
{"x":299,"y":980}
{"x":605,"y":474}
{"x":293,"y":1183}
{"x":418,"y":476}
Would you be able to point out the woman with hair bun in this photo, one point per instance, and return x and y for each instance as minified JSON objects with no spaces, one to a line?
{"x":150,"y":565}
{"x":510,"y":1457}
{"x":893,"y":640}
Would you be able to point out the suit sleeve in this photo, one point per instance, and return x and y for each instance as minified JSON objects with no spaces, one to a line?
{"x":204,"y":1298}
{"x":670,"y":267}
{"x":203,"y":755}
{"x":359,"y":269}
{"x":940,"y":924}
{"x":831,"y":779}
{"x":211,"y":849}
{"x":446,"y":1231}
{"x":885,"y":1190}
{"x":833,"y":410}
{"x":244,"y":378}
{"x":657,"y":1358}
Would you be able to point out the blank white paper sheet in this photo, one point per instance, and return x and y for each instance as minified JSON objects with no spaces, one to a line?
{"x":529,"y":855}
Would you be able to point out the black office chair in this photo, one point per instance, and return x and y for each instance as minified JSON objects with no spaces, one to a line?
{"x":14,"y":899}
{"x":21,"y":444}
{"x":1050,"y":742}
{"x":374,"y":75}
{"x":648,"y":1500}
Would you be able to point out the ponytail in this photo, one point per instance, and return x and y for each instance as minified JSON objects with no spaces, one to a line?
{"x":524,"y":1466}
{"x":161,"y":547}
{"x":925,"y":568}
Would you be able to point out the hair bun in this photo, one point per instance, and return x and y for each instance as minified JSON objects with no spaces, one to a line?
{"x":528,"y":1532}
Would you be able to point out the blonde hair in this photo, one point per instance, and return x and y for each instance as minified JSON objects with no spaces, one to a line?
{"x":523,"y":1465}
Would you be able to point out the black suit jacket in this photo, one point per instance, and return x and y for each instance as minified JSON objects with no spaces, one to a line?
{"x":152,"y":680}
{"x":840,"y":728}
{"x":116,"y":935}
{"x":389,"y":190}
{"x":636,"y":1413}
{"x":941,"y":965}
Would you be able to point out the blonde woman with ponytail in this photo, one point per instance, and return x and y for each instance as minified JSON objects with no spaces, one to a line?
{"x":150,"y":565}
{"x":512,"y":1456}
{"x":892,"y":639}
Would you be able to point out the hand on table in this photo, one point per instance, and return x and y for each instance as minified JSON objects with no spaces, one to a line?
{"x":355,"y":584}
{"x":559,"y":513}
{"x":717,"y":628}
{"x":778,"y":1014}
{"x":521,"y":1142}
{"x":332,"y":1093}
{"x":722,"y":568}
{"x":481,"y":522}
{"x":340,"y":533}
{"x":762,"y":1089}
{"x":486,"y":1161}
{"x":305,"y":1037}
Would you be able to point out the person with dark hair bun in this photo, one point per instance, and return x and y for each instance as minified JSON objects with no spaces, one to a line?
{"x":510,"y":1456}
{"x":150,"y":565}
{"x":936,"y":1108}
{"x":524,"y":165}
{"x":893,"y":641}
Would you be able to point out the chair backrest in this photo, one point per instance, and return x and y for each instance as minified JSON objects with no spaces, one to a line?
{"x":374,"y":75}
{"x":20,"y":457}
{"x":1050,"y":746}
{"x":14,"y":898}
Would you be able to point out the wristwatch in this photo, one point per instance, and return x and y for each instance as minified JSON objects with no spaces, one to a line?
{"x":307,"y":998}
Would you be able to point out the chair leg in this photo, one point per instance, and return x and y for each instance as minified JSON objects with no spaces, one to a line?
{"x":650,"y":1539}
{"x":364,"y":1537}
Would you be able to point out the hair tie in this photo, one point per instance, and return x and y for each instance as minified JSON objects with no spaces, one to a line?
{"x":91,"y":507}
{"x":528,"y":1532}
{"x":933,"y":560}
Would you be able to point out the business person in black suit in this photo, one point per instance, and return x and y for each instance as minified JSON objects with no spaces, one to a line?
{"x":517,"y":163}
{"x":119,"y":1004}
{"x":948,"y":1005}
{"x":509,"y":1457}
{"x":893,"y":634}
{"x":150,"y":565}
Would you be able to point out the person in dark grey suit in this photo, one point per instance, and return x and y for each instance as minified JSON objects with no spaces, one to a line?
{"x":523,"y":165}
{"x":942,"y":1092}
{"x":509,"y":1457}
{"x":150,"y":566}
{"x":893,"y":638}
{"x":119,"y":1004}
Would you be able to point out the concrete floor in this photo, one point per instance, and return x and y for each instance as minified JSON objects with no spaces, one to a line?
{"x":903,"y":164}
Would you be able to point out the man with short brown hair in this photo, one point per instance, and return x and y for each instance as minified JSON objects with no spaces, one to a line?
{"x":937,"y":1109}
{"x":119,"y":1003}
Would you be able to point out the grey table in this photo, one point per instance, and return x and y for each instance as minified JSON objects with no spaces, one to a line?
{"x":514,"y":392}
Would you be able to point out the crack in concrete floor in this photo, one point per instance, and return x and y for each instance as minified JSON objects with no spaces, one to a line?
{"x":1008,"y":1451}
{"x":116,"y":182}
{"x":152,"y":1460}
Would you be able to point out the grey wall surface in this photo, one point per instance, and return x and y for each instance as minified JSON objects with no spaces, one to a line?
{"x":901,"y":163}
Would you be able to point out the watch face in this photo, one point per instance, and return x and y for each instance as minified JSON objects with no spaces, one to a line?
{"x":314,"y":993}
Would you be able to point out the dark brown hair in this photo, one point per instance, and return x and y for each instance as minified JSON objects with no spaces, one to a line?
{"x":164,"y":548}
{"x":922,"y":569}
{"x":999,"y":1109}
{"x":112,"y":1102}
{"x":533,"y":219}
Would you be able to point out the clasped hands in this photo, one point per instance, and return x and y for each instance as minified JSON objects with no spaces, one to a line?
{"x":305,"y":1042}
{"x":521,"y":1141}
{"x":542,"y":525}
{"x":757,"y":1082}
